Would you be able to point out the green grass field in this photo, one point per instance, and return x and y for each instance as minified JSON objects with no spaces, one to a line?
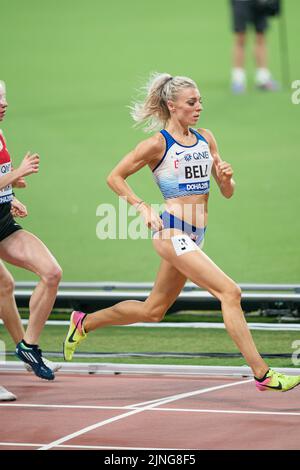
{"x":72,"y":68}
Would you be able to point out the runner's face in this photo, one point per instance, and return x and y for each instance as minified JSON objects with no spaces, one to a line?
{"x":187,"y":107}
{"x":3,"y":102}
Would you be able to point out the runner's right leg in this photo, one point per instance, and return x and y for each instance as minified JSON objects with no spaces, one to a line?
{"x":169,"y":283}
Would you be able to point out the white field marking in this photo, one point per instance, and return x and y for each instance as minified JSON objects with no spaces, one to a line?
{"x":161,"y":401}
{"x":242,"y":412}
{"x":133,"y":407}
{"x":19,"y":444}
{"x":139,"y":410}
{"x":87,"y":429}
{"x":69,"y":446}
{"x":137,"y":405}
{"x":80,"y":407}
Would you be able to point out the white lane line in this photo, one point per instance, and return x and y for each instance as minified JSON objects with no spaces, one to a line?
{"x":180,"y":396}
{"x":133,"y":407}
{"x":88,"y":429}
{"x":242,"y":412}
{"x":69,"y":446}
{"x":19,"y":444}
{"x":79,"y":407}
{"x":139,"y":410}
{"x":143,"y":403}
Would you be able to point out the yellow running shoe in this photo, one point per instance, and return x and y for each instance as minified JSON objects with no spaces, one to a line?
{"x":276,"y":382}
{"x":75,"y":335}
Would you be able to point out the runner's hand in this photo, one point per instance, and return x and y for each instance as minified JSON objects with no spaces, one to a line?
{"x":224,"y":171}
{"x":18,"y":209}
{"x":20,"y":182}
{"x":151,"y":218}
{"x":30,"y":164}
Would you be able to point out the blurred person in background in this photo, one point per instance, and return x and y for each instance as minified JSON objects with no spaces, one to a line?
{"x":23,"y":249}
{"x":255,"y":13}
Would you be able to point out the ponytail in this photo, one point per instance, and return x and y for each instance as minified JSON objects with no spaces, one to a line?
{"x":153,"y":112}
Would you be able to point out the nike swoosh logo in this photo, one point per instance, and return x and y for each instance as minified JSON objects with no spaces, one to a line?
{"x":73,"y":332}
{"x":178,"y":153}
{"x":278,"y":387}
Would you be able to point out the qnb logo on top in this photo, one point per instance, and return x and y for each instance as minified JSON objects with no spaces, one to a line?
{"x":196,"y":156}
{"x":201,"y":155}
{"x":188,"y":157}
{"x":5,"y":168}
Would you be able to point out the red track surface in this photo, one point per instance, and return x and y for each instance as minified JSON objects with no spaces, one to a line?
{"x":232,"y":416}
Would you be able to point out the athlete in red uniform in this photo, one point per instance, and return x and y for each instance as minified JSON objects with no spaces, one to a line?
{"x":23,"y":249}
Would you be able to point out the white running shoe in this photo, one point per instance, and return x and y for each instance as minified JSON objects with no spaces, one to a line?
{"x":5,"y":395}
{"x":54,"y":366}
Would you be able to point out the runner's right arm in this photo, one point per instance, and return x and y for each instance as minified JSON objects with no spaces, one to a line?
{"x":145,"y":153}
{"x":29,"y":165}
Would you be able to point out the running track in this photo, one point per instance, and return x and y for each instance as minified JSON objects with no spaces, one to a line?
{"x":146,"y":412}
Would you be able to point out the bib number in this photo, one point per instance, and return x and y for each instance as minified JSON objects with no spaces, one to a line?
{"x":183,"y":244}
{"x":194,"y":176}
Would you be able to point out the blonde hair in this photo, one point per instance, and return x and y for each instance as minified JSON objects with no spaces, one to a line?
{"x":153,"y":111}
{"x":2,"y":87}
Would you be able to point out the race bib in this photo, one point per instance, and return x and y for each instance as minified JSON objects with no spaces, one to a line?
{"x":183,"y":244}
{"x":194,"y":171}
{"x":5,"y":193}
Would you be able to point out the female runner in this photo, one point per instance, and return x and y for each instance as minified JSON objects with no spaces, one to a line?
{"x":23,"y":249}
{"x":182,"y":160}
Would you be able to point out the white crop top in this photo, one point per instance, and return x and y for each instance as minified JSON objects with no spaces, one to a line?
{"x":184,"y":170}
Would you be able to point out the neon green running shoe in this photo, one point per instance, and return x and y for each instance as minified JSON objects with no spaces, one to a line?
{"x":75,"y":335}
{"x":276,"y":382}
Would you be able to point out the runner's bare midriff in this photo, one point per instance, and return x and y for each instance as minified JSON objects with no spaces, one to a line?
{"x":192,"y":209}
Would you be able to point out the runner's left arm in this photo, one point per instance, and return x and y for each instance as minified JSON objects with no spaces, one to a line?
{"x":20,"y":182}
{"x":221,"y":170}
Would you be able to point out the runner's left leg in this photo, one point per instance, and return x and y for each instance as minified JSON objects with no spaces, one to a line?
{"x":8,"y":308}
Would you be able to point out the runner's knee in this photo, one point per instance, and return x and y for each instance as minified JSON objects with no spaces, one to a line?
{"x":52,"y":275}
{"x":7,"y":284}
{"x":154,"y":313}
{"x":232,"y":294}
